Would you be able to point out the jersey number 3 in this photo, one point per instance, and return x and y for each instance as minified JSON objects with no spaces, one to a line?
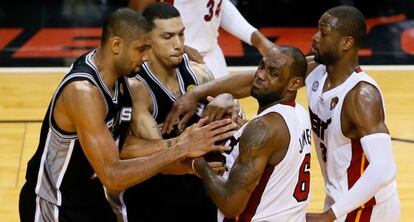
{"x":303,"y":186}
{"x":211,"y":12}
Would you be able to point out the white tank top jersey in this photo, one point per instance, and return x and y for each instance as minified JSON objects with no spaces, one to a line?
{"x":342,"y":159}
{"x":201,"y":20}
{"x":283,"y":192}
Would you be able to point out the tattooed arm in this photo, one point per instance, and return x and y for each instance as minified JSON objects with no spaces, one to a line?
{"x":264,"y":141}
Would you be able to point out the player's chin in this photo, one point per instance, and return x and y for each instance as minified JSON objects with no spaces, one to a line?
{"x":175,"y":61}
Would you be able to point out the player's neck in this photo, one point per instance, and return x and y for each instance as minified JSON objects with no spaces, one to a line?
{"x":105,"y":67}
{"x":339,"y":72}
{"x":287,"y":99}
{"x":164,"y":74}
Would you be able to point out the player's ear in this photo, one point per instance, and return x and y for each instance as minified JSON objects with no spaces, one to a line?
{"x":295,"y":83}
{"x":348,"y":43}
{"x":116,"y":44}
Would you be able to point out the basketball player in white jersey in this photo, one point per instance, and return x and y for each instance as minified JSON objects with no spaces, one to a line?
{"x":348,"y":120}
{"x":269,"y":179}
{"x":202,"y":20}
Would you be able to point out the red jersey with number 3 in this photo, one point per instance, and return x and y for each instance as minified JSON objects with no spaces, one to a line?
{"x":283,"y":192}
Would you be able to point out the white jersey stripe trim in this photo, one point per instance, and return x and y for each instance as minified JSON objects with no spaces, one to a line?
{"x":187,"y":65}
{"x":56,"y":213}
{"x":37,"y":212}
{"x":123,"y":207}
{"x":153,"y":77}
{"x":180,"y":81}
{"x":62,"y":173}
{"x":40,"y":175}
{"x":89,"y":62}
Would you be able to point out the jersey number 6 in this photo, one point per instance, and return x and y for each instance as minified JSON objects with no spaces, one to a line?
{"x":302,"y":187}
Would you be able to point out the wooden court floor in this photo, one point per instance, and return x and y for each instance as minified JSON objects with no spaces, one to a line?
{"x":24,"y":98}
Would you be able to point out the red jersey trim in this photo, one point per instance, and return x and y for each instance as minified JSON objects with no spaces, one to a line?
{"x":355,"y":170}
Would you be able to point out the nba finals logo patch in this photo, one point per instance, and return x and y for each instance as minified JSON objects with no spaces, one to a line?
{"x":190,"y":87}
{"x":334,"y":101}
{"x":315,"y":86}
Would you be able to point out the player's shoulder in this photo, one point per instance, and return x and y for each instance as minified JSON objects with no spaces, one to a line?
{"x":271,"y":123}
{"x":81,"y":87}
{"x":136,"y":84}
{"x":363,"y":105}
{"x":202,"y":72}
{"x":364,"y":93}
{"x":140,"y":92}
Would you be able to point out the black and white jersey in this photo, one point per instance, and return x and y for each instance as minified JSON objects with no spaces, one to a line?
{"x":59,"y":170}
{"x":162,"y":99}
{"x":168,"y":197}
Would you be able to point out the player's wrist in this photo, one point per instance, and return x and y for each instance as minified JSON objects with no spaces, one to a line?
{"x":333,"y":212}
{"x":196,"y":165}
{"x":170,"y":143}
{"x":331,"y":215}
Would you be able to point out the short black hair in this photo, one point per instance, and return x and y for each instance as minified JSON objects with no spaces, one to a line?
{"x":125,"y":23}
{"x":159,"y":10}
{"x":351,"y":22}
{"x":299,"y":66}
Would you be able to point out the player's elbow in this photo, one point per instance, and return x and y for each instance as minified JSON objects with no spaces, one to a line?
{"x":387,"y":173}
{"x":111,"y":181}
{"x":112,"y":185}
{"x":231,"y":214}
{"x":232,"y":210}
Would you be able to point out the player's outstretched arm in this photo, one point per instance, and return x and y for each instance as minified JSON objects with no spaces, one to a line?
{"x":84,"y":107}
{"x":238,"y":85}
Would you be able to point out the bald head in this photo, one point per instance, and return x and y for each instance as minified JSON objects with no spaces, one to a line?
{"x":126,"y":24}
{"x":350,"y":22}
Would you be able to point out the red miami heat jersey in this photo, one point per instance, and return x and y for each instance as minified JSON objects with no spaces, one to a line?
{"x":282,"y":193}
{"x":342,"y":159}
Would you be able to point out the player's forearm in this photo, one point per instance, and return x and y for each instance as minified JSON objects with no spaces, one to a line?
{"x":238,"y":85}
{"x":137,"y":147}
{"x":179,"y":167}
{"x":233,"y":22}
{"x":261,"y":42}
{"x":379,"y":173}
{"x":218,"y":191}
{"x":123,"y":174}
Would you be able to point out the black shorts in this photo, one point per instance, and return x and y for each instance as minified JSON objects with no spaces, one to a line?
{"x":170,"y":198}
{"x":27,"y":209}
